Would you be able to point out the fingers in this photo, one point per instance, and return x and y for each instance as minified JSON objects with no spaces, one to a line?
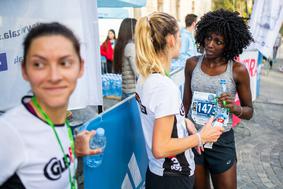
{"x":95,"y":151}
{"x":198,"y":149}
{"x":210,"y":121}
{"x":92,"y":133}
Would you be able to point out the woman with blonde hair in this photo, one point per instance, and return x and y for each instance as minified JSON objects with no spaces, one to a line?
{"x":169,"y":137}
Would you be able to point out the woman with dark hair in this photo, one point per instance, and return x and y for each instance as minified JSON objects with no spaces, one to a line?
{"x":124,"y":56}
{"x":223,"y":35}
{"x":107,"y":49}
{"x":37,"y":146}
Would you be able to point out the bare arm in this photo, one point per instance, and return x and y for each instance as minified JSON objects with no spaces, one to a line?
{"x":242,"y":79}
{"x":163,"y":145}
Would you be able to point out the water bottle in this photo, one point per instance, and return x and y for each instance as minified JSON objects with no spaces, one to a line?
{"x":107,"y":86}
{"x":98,"y":141}
{"x":111,"y":87}
{"x":221,"y":114}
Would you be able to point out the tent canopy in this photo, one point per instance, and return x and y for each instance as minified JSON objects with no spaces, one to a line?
{"x":113,"y":13}
{"x":121,"y":3}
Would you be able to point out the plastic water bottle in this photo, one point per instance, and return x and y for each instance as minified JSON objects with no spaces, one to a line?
{"x":98,"y":141}
{"x":220,"y":112}
{"x":107,"y":85}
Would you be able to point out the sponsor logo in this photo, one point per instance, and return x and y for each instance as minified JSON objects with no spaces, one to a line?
{"x":182,"y":110}
{"x":54,"y":169}
{"x":3,"y":62}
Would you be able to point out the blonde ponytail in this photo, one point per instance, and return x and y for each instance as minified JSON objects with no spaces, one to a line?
{"x":150,"y":41}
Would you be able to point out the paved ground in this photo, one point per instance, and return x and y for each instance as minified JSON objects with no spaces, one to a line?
{"x":259,"y":140}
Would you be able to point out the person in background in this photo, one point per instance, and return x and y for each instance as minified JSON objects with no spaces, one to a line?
{"x":223,"y":35}
{"x":188,"y":45}
{"x":124,"y":56}
{"x":36,"y":142}
{"x":276,"y":46}
{"x":169,"y":137}
{"x":107,"y":49}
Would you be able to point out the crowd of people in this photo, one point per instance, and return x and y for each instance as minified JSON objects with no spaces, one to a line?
{"x":143,"y":53}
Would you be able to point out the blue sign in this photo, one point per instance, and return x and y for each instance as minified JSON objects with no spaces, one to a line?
{"x":3,"y":62}
{"x":125,"y":160}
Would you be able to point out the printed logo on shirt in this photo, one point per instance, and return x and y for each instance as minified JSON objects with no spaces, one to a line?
{"x":175,"y":164}
{"x":54,"y":169}
{"x":182,"y":110}
{"x":142,"y":107}
{"x":3,"y":62}
{"x":71,"y":155}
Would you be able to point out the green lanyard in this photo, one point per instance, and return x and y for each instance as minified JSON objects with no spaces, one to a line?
{"x":51,"y":124}
{"x":167,"y":73}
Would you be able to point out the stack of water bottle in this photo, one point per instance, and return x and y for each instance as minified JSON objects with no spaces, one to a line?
{"x":112,"y":85}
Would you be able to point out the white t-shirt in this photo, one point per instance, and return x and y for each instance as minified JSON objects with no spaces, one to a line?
{"x":157,"y":97}
{"x":30,"y":153}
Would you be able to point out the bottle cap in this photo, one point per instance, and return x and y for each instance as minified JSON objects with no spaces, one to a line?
{"x":100,"y":131}
{"x":222,"y":81}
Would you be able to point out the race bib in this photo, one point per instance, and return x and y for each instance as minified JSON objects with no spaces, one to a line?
{"x":204,"y":105}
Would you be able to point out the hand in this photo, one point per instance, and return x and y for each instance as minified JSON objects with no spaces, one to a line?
{"x":209,"y":133}
{"x":192,"y":130}
{"x":82,"y":144}
{"x":227,"y":101}
{"x":199,"y":149}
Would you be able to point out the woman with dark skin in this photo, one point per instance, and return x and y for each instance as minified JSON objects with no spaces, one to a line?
{"x":223,"y":35}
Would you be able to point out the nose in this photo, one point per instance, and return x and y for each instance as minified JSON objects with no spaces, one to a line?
{"x":55,"y":74}
{"x":210,"y":43}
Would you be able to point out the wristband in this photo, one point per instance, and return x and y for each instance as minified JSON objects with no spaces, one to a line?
{"x":241,"y":111}
{"x":199,"y":140}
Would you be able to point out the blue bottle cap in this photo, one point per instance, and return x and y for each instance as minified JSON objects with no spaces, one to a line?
{"x":222,"y":81}
{"x":100,"y":131}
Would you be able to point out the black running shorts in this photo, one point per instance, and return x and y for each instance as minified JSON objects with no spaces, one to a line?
{"x":154,"y":181}
{"x":222,"y":155}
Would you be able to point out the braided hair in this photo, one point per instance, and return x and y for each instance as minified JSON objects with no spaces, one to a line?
{"x":229,"y":24}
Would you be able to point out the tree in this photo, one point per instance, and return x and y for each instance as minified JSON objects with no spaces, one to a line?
{"x":244,"y":7}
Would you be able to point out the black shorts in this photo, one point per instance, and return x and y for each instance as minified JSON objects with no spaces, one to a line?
{"x":153,"y":181}
{"x":222,"y":155}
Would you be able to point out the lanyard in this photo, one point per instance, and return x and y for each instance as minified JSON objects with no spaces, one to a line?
{"x":167,"y":73}
{"x":51,"y":124}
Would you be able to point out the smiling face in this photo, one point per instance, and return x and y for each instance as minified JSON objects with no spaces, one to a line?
{"x":52,"y":68}
{"x":214,"y":45}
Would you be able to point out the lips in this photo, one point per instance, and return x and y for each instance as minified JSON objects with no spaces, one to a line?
{"x":55,"y":90}
{"x":209,"y":52}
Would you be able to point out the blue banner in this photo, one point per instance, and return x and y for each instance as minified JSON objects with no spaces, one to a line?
{"x":125,"y":160}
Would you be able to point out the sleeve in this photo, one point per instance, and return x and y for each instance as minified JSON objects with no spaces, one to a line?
{"x":130,"y":53}
{"x":11,"y":151}
{"x":102,"y":50}
{"x":164,"y":100}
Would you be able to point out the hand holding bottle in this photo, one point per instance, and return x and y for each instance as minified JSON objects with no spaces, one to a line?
{"x":209,"y":133}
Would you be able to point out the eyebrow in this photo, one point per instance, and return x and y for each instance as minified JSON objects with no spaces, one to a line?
{"x":43,"y":58}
